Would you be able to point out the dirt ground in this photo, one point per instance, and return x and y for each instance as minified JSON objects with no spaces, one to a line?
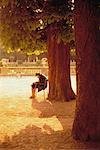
{"x":39,"y":125}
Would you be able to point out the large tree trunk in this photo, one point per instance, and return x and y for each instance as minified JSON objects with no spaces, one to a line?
{"x":51,"y":62}
{"x":59,"y":68}
{"x":87,"y":118}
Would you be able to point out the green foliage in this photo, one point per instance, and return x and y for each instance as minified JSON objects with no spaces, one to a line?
{"x":16,"y":26}
{"x":21,"y":28}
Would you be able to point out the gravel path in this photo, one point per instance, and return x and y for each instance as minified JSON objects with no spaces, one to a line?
{"x":38,"y":125}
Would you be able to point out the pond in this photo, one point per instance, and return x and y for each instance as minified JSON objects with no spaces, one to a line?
{"x":11,"y":87}
{"x":20,"y":87}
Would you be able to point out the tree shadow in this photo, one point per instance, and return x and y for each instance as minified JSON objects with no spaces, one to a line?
{"x":58,"y":109}
{"x":45,"y":107}
{"x":36,"y":138}
{"x":45,"y":136}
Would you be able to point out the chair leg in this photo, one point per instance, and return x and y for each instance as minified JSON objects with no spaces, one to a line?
{"x":44,"y":94}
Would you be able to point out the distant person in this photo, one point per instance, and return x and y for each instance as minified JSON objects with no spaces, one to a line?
{"x":40,"y":85}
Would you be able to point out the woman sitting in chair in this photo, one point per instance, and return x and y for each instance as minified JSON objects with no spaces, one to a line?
{"x":41,"y":84}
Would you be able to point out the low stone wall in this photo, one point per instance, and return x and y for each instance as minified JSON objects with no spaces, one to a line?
{"x":26,"y":71}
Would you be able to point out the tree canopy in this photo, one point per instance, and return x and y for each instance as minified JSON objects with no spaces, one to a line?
{"x":23,"y":24}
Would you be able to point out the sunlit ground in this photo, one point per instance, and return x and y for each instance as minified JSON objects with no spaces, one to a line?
{"x":18,"y":111}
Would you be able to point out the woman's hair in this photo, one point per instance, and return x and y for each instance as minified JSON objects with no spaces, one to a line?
{"x":37,"y":74}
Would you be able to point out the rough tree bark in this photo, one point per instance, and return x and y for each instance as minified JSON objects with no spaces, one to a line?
{"x":51,"y":63}
{"x":87,"y":117}
{"x":59,"y":68}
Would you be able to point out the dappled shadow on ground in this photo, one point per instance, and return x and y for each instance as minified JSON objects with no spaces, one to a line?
{"x":47,"y":126}
{"x":35,"y":138}
{"x":49,"y":109}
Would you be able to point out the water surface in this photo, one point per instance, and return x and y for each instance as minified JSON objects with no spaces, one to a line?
{"x":20,"y":87}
